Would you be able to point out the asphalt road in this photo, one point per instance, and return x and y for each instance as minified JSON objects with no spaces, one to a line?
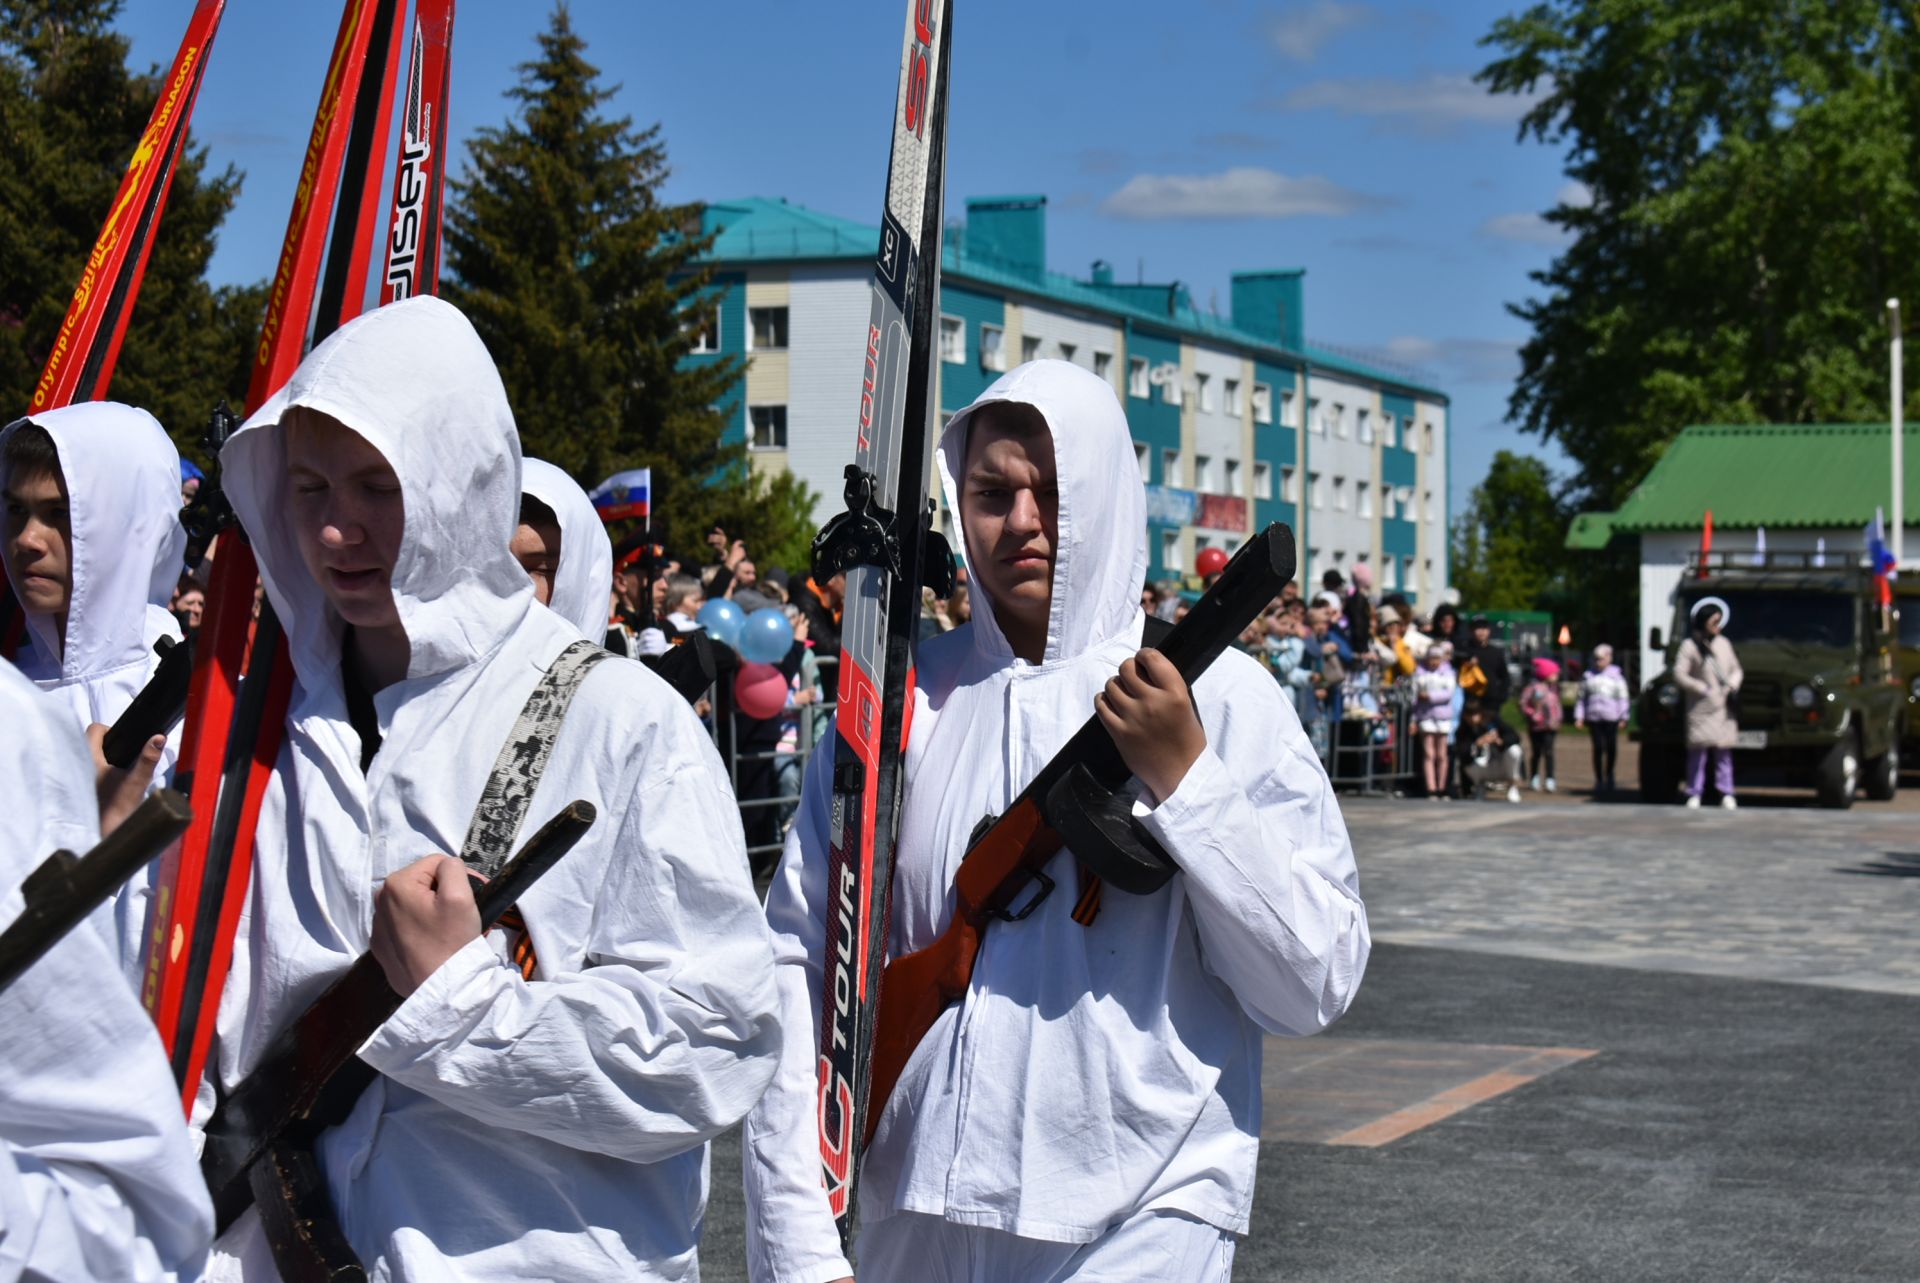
{"x":1597,"y":1042}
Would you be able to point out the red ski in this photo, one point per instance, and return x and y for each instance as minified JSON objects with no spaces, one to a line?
{"x":419,"y":177}
{"x":233,"y":733}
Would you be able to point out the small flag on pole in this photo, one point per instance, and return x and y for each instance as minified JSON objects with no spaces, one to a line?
{"x":624,"y":494}
{"x":1881,"y":557}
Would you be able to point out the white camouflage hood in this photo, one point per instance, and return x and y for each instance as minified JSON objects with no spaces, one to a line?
{"x":416,"y":381}
{"x":123,"y":497}
{"x":1101,"y":561}
{"x":583,"y":580}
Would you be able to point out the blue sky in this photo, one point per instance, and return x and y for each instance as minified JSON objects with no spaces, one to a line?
{"x":1188,"y":140}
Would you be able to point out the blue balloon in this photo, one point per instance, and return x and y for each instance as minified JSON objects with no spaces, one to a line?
{"x":767,"y":637}
{"x":723,"y":621}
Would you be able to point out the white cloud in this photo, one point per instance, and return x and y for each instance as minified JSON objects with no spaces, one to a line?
{"x":1300,"y":30}
{"x":1459,"y":360}
{"x":1427,"y":105}
{"x":1240,"y":192}
{"x":1532,"y":229}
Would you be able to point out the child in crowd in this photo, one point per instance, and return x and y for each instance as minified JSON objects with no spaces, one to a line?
{"x":1540,"y":705}
{"x":1602,"y":707}
{"x":1433,"y":690}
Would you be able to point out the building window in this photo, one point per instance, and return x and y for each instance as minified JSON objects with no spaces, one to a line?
{"x":1339,"y":419}
{"x":769,"y":327}
{"x":1390,"y":429}
{"x":1233,"y":477}
{"x":1170,"y":390}
{"x":953,"y":340}
{"x":1068,"y":351}
{"x":1340,"y":495}
{"x":1029,"y":349}
{"x":1230,"y":396}
{"x":1140,"y":458}
{"x":1263,"y":481}
{"x":1426,"y":575}
{"x":1169,"y":467}
{"x":1363,"y":498}
{"x":769,"y":426}
{"x":1366,"y":426}
{"x":1289,"y":483}
{"x":1103,"y":365}
{"x":704,"y":322}
{"x":1386,"y":505}
{"x":1170,"y":551}
{"x":1426,"y":505}
{"x":1406,"y":572}
{"x":1203,"y":473}
{"x":1315,"y":491}
{"x":993,"y":347}
{"x":1262,"y":403}
{"x":1137,"y":384}
{"x":1286,"y":410}
{"x":1205,"y":383}
{"x":1403,"y":496}
{"x":1426,"y":438}
{"x":1389,"y":574}
{"x":1315,"y":423}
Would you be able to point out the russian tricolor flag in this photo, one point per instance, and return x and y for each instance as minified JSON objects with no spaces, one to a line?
{"x":624,"y":494}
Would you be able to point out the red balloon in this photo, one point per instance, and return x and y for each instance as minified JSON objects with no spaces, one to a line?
{"x":1210,"y":561}
{"x":760,"y":690}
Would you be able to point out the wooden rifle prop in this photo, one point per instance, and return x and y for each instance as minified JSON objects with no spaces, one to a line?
{"x":66,"y":888}
{"x":157,"y":709}
{"x":1077,"y":801}
{"x":258,"y":1140}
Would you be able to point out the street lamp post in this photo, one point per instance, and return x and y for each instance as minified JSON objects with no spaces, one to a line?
{"x":1899,"y":431}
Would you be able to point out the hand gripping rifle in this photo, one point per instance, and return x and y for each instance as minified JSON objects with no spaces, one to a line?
{"x":1077,"y":801}
{"x":257,"y":1140}
{"x":66,"y":888}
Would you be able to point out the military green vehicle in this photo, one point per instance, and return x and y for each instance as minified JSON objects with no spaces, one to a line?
{"x":1906,"y":660}
{"x":1821,"y":706}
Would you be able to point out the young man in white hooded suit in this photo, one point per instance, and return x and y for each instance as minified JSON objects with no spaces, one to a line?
{"x":1091,"y":1108}
{"x":548,"y":1127}
{"x":97,"y":1173}
{"x":564,"y":549}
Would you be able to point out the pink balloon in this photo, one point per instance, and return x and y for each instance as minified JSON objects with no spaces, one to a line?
{"x":759,"y":690}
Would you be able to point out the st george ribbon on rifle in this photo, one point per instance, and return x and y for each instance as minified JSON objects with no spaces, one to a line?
{"x":884,"y":546}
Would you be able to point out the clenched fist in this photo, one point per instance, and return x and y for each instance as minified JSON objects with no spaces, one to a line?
{"x":1149,"y":713}
{"x":423,"y":915}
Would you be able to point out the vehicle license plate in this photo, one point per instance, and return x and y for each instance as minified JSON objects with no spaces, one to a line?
{"x":1750,"y":739}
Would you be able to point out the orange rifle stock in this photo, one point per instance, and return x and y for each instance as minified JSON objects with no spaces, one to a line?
{"x":1014,"y":849}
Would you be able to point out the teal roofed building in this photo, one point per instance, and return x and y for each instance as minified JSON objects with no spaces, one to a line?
{"x":1237,"y":421}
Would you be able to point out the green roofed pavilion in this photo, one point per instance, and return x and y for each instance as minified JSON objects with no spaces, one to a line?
{"x":1772,"y":475}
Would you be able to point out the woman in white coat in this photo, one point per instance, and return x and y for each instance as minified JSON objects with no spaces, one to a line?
{"x":540,"y":1122}
{"x":1709,"y":676}
{"x":1091,"y":1107}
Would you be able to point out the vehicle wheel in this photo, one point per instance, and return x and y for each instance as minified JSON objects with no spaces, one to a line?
{"x":1660,"y":768}
{"x":1839,"y":774}
{"x":1883,"y":774}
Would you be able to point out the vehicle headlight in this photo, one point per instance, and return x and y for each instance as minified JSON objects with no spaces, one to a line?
{"x":1669,"y":696}
{"x":1802,"y":696}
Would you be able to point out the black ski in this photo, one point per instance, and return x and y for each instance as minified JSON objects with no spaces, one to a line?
{"x":885,"y":547}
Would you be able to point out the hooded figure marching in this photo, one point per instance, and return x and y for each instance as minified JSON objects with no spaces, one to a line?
{"x":1091,"y":1107}
{"x":545,"y":1093}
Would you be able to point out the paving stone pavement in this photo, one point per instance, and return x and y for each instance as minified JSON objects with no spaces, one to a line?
{"x":1790,"y":894}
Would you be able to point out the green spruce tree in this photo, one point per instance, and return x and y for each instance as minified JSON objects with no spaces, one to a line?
{"x":577,"y":274}
{"x":70,"y":114}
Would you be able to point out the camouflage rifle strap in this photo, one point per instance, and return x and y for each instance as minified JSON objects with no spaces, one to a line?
{"x":516,"y":772}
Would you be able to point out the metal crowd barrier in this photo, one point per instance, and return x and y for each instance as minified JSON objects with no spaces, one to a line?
{"x":814,"y":727}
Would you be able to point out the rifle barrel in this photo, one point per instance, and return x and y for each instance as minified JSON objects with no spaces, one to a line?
{"x":65,"y":889}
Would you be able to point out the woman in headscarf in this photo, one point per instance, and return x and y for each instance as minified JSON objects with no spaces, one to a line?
{"x":1709,"y":676}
